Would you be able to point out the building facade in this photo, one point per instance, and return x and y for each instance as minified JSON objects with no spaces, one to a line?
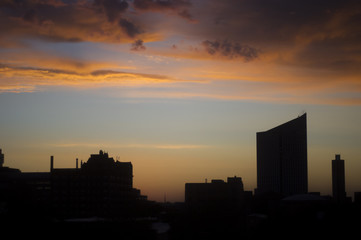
{"x":282,"y":158}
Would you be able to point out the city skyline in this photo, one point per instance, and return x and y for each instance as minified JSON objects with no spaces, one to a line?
{"x":180,"y":87}
{"x":290,"y":129}
{"x":98,"y":197}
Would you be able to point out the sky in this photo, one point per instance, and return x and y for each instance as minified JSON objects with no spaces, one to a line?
{"x":179,"y":87}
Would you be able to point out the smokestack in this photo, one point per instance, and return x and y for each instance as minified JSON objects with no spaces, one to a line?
{"x":77,"y":164}
{"x":51,"y":163}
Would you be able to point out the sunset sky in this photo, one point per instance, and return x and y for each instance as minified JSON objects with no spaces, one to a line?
{"x":181,"y":87}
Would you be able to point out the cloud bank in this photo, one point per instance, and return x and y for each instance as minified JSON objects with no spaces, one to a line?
{"x":296,"y":43}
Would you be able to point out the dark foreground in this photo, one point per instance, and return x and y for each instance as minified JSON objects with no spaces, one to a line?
{"x":174,"y":221}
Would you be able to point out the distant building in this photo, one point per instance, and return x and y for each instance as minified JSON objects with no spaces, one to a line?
{"x":282,"y":158}
{"x":338,"y":179}
{"x":217,"y":195}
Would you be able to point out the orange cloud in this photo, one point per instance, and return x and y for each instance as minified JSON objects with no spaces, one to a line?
{"x":17,"y":79}
{"x":221,"y":80}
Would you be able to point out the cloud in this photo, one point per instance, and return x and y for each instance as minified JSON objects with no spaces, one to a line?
{"x":295,"y":33}
{"x":213,"y":85}
{"x":82,"y":20}
{"x":180,"y":7}
{"x":161,"y":4}
{"x":308,"y":45}
{"x":112,"y":8}
{"x":45,"y":21}
{"x":230,"y":50}
{"x":67,"y":21}
{"x":137,"y":45}
{"x":28,"y":79}
{"x":129,"y":28}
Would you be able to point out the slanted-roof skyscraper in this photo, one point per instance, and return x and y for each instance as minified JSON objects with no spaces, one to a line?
{"x":282,"y":158}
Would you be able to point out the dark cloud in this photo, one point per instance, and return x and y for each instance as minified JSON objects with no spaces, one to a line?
{"x":66,"y":20}
{"x":112,"y":8}
{"x":312,"y":33}
{"x":138,"y":45}
{"x":177,"y":6}
{"x":30,"y":16}
{"x":268,"y":21}
{"x":83,"y":20}
{"x":160,"y":4}
{"x":230,"y":49}
{"x":129,"y":28}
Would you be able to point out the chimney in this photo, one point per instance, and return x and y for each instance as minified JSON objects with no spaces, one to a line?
{"x":77,"y":163}
{"x":51,"y":163}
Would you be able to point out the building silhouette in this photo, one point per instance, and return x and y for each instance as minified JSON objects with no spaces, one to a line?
{"x":282,"y":158}
{"x":216,"y":196}
{"x":100,"y":187}
{"x":338,"y":179}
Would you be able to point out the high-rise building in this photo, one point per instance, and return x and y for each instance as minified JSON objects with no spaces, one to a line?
{"x":338,"y":179}
{"x":282,"y":158}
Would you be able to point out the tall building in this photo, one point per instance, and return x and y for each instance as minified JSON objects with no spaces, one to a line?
{"x":282,"y":158}
{"x":338,"y":179}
